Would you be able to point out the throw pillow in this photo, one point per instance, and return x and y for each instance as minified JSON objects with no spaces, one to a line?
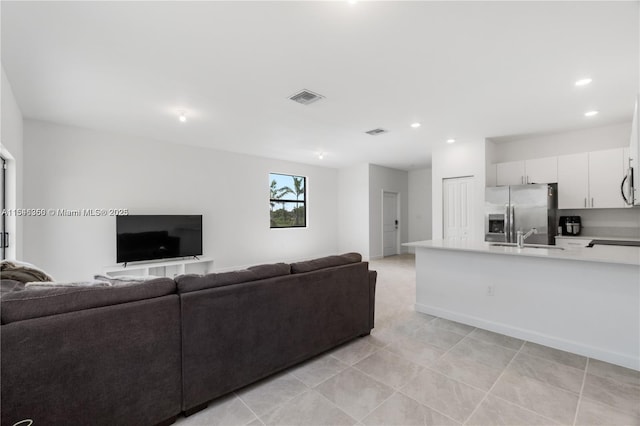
{"x":125,"y":279}
{"x":39,"y":285}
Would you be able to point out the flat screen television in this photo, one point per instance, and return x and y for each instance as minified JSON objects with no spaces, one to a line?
{"x":153,"y":237}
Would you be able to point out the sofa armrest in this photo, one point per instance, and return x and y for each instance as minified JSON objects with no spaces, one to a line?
{"x":373,"y":276}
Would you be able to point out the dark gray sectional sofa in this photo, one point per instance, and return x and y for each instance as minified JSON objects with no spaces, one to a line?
{"x":140,"y":354}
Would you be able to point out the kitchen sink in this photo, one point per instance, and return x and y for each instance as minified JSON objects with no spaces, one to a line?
{"x":537,"y":246}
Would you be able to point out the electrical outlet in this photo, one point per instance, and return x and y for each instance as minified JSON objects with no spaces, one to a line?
{"x":490,"y":290}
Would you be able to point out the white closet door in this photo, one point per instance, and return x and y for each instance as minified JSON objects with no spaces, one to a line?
{"x":457,"y":202}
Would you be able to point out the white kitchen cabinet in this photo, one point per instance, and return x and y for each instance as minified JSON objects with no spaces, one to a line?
{"x":591,"y":180}
{"x":573,"y":181}
{"x":541,"y":170}
{"x":510,"y":173}
{"x":537,"y":170}
{"x":605,"y":176}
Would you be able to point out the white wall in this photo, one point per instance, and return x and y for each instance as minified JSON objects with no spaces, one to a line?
{"x":561,"y":143}
{"x":353,"y":208}
{"x":391,"y":180}
{"x":463,"y":158}
{"x":73,"y":168}
{"x":419,"y":205}
{"x":11,"y":147}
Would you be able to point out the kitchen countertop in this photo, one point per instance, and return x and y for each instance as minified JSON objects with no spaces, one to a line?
{"x":599,"y":253}
{"x":592,"y":237}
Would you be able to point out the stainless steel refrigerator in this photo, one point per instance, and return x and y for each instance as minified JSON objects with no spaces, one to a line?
{"x":509,"y":209}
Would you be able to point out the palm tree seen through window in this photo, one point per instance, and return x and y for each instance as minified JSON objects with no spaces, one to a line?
{"x":287,"y":199}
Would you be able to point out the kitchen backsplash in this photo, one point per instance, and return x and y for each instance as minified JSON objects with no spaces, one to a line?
{"x":607,"y":222}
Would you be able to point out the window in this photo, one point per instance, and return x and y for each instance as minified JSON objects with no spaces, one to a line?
{"x":287,"y":198}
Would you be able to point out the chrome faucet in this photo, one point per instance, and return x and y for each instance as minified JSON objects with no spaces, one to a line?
{"x":520,"y":237}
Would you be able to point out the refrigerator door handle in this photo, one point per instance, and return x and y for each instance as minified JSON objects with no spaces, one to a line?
{"x":506,"y":224}
{"x":512,"y":224}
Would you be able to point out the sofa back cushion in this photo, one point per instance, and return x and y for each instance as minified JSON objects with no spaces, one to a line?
{"x":193,"y":282}
{"x":325,"y":262}
{"x":26,"y":304}
{"x":235,"y":335}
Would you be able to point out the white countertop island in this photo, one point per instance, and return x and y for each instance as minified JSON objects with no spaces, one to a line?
{"x":599,"y":253}
{"x":582,"y":300}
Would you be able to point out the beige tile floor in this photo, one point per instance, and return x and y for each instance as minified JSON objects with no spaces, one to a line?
{"x":416,"y":369}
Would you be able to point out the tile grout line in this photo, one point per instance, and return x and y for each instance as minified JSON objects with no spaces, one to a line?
{"x":524,"y":342}
{"x":398,"y":390}
{"x":554,"y":361}
{"x":584,"y":381}
{"x":494,"y":384}
{"x":395,"y":390}
{"x":249,"y":408}
{"x":426,"y":406}
{"x":378,"y":406}
{"x":285,"y":372}
{"x":334,"y":404}
{"x":525,"y":408}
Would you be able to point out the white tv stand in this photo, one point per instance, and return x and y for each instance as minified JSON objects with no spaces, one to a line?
{"x":163,"y":268}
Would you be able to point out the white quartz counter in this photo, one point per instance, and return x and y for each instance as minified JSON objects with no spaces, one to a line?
{"x":592,"y":237}
{"x":598,"y":253}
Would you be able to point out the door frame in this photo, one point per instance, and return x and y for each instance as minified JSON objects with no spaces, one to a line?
{"x":10,"y":186}
{"x":398,"y":212}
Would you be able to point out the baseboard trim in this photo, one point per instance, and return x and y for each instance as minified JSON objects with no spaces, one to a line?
{"x":623,"y":360}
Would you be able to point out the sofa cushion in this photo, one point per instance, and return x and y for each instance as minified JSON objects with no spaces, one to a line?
{"x":26,"y":304}
{"x":22,"y":271}
{"x":9,"y":286}
{"x":194,"y":282}
{"x":325,"y":262}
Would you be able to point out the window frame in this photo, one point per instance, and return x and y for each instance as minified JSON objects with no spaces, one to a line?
{"x":283,"y":201}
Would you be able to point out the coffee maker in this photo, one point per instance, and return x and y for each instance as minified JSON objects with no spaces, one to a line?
{"x":570,"y":225}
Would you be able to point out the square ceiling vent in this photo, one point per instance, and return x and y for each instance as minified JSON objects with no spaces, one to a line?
{"x":376,"y":132}
{"x":306,"y":97}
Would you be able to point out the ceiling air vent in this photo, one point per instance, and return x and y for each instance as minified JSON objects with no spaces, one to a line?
{"x":376,"y":132}
{"x":306,"y":97}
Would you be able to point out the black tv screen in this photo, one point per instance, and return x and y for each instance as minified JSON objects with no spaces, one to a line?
{"x":151,"y":237}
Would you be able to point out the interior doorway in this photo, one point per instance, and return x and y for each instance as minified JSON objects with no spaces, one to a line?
{"x":390,"y":223}
{"x":457,"y":208}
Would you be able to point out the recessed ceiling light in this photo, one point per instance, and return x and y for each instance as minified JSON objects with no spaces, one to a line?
{"x":182,"y":116}
{"x":352,"y":1}
{"x":451,"y":140}
{"x":415,"y":125}
{"x":590,"y":113}
{"x":321,"y":156}
{"x":583,"y":81}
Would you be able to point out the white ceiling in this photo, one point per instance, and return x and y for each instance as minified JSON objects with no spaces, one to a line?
{"x":466,"y":70}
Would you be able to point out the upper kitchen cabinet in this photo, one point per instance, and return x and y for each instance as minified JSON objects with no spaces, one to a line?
{"x":606,"y":170}
{"x":538,"y":170}
{"x":591,"y":180}
{"x":510,"y":173}
{"x":541,"y":170}
{"x":573,"y":181}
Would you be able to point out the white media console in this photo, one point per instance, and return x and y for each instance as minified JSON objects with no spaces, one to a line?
{"x":163,"y":268}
